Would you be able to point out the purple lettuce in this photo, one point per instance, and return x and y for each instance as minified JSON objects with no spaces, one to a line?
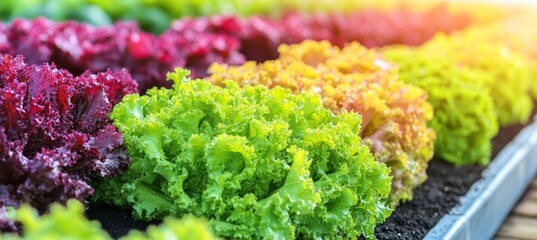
{"x":55,"y":134}
{"x":78,"y":47}
{"x":261,"y":36}
{"x":199,"y":42}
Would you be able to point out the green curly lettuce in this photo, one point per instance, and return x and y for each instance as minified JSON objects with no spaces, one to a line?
{"x":69,"y":222}
{"x":187,"y":228}
{"x":518,"y":34}
{"x":465,"y":118}
{"x":468,"y":84}
{"x":503,"y":73}
{"x":61,"y":223}
{"x":257,"y":163}
{"x":354,"y":79}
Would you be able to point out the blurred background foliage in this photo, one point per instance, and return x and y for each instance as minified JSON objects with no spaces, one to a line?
{"x":155,"y":15}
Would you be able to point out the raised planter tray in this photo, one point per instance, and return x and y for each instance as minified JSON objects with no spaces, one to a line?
{"x":488,"y":202}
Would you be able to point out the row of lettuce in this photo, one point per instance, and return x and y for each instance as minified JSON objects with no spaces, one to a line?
{"x":321,"y":140}
{"x":156,"y":15}
{"x":195,"y":43}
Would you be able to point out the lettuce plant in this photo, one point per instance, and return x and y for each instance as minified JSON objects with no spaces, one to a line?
{"x":199,"y":42}
{"x":518,"y":34}
{"x":465,"y":117}
{"x":473,"y":89}
{"x":257,"y":163}
{"x":55,"y":134}
{"x":504,"y":73}
{"x":61,"y":223}
{"x":355,"y":79}
{"x":186,"y":228}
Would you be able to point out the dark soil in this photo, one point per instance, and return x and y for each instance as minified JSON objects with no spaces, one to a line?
{"x":411,"y":220}
{"x":116,"y":221}
{"x":433,"y":199}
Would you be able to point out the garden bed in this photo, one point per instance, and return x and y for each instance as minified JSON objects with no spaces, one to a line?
{"x":456,"y":202}
{"x":412,"y":220}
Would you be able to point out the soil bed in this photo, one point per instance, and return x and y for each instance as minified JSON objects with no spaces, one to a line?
{"x":411,"y":220}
